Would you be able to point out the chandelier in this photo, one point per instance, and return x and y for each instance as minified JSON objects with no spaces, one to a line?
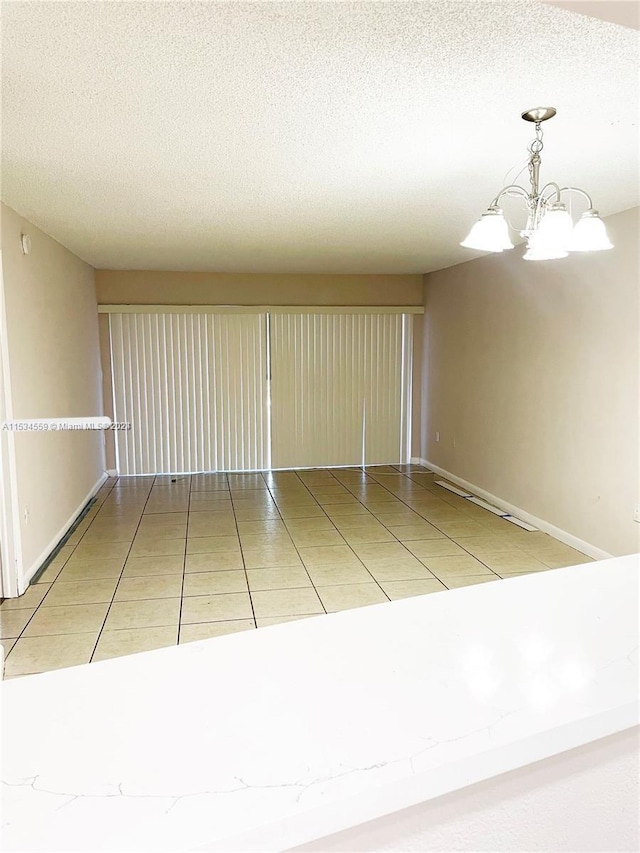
{"x":549,"y":230}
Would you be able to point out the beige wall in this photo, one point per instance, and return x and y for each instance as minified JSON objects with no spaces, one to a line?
{"x":52,"y":344}
{"x":530,"y":375}
{"x":144,"y":287}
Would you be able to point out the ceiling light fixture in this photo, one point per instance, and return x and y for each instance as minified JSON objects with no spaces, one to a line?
{"x":550,"y":230}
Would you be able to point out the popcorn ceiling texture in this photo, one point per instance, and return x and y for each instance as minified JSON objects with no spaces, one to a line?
{"x":302,"y":137}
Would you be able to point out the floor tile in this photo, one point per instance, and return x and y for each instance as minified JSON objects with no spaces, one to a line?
{"x":208,"y":495}
{"x":216,"y":608}
{"x":207,"y":630}
{"x":55,"y":566}
{"x":330,"y":555}
{"x":166,"y":531}
{"x":348,"y":596}
{"x":470,"y":580}
{"x":456,"y":566}
{"x":508,"y":575}
{"x":207,"y":528}
{"x":154,"y":507}
{"x":285,"y":578}
{"x":331,"y":489}
{"x":267,"y":621}
{"x":302,"y":525}
{"x":286,"y":602}
{"x":216,"y":506}
{"x":315,"y":538}
{"x":270,"y":557}
{"x":148,"y":587}
{"x":31,"y":598}
{"x":434,"y":548}
{"x":102,"y":551}
{"x":339,"y":510}
{"x":337,"y":501}
{"x":12,"y":622}
{"x":215,"y":562}
{"x":212,"y":544}
{"x":481,"y":545}
{"x":407,"y":589}
{"x":458,"y":529}
{"x":513,"y":561}
{"x":99,"y":536}
{"x":381,"y":551}
{"x":356,"y":522}
{"x":209,"y":482}
{"x":441,"y":516}
{"x":393,"y":570}
{"x":143,"y":566}
{"x":390,"y":504}
{"x":416,"y":532}
{"x":256,"y":514}
{"x":129,"y":641}
{"x":559,"y":560}
{"x":212,"y":583}
{"x":143,"y":614}
{"x":261,"y":527}
{"x":90,"y":570}
{"x":301,"y":511}
{"x":70,"y":619}
{"x":254,"y":541}
{"x":39,"y":654}
{"x":362,"y":535}
{"x":160,"y":519}
{"x":157,"y":547}
{"x":333,"y":575}
{"x":397,"y":519}
{"x":7,"y":645}
{"x":80,"y":592}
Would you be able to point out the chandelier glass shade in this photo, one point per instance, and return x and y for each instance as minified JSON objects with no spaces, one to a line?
{"x":549,"y":230}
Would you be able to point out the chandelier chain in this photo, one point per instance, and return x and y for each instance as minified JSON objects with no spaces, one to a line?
{"x":537,"y":145}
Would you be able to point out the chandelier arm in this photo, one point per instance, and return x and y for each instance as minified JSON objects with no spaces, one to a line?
{"x":577,"y":190}
{"x":511,"y":189}
{"x":549,"y":185}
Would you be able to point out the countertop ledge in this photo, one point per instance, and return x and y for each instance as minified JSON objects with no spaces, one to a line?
{"x":267,"y":739}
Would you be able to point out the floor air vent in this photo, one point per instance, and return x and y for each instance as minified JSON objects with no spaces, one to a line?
{"x":485,"y":505}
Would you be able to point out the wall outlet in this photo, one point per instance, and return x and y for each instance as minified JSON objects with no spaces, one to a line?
{"x":636,"y":513}
{"x":454,"y":441}
{"x":26,"y":515}
{"x":437,"y":436}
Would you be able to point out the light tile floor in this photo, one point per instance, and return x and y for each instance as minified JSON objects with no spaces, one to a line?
{"x":165,"y":560}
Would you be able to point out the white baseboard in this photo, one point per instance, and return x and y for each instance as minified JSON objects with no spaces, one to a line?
{"x":37,"y":563}
{"x":545,"y":526}
{"x":111,"y":472}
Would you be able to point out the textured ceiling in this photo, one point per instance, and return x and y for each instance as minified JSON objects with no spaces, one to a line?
{"x":302,"y":137}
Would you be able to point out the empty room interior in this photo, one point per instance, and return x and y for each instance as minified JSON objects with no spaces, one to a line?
{"x":320,"y":425}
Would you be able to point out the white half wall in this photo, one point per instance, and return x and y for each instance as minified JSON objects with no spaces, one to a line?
{"x":530,"y":384}
{"x":52,"y":348}
{"x":586,"y":799}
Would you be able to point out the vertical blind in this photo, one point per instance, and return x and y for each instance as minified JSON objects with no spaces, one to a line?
{"x":193,"y":387}
{"x":340,"y":389}
{"x":232,"y":392}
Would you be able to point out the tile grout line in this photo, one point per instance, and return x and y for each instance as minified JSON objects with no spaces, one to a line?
{"x":345,"y":542}
{"x":20,"y":635}
{"x":121,"y":572}
{"x":443,"y":533}
{"x":184,"y":563}
{"x":244,"y":565}
{"x":297,"y":550}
